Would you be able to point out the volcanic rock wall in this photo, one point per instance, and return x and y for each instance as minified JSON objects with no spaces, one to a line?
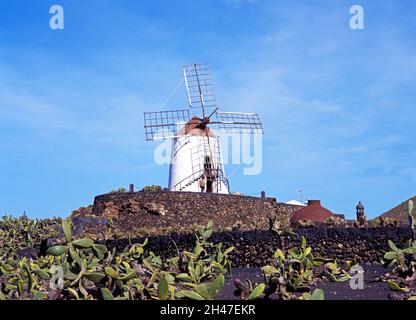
{"x":166,"y":218}
{"x":256,"y":248}
{"x":177,"y":211}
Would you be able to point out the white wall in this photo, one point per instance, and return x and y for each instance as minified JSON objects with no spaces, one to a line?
{"x":188,"y":155}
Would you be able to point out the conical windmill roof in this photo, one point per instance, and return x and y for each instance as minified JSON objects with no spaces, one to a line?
{"x":194,"y":127}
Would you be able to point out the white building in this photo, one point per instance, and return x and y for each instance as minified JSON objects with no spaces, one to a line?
{"x":295,"y":203}
{"x":196,"y":163}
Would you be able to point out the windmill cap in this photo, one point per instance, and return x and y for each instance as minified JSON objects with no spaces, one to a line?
{"x":195,"y":127}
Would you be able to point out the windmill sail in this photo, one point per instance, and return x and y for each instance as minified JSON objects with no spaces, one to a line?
{"x":199,"y":87}
{"x":164,"y":124}
{"x":238,"y":122}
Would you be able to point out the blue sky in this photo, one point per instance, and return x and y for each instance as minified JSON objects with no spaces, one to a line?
{"x":337,"y":104}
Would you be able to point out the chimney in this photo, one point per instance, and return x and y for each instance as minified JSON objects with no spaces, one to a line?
{"x":131,"y":188}
{"x":314,"y":202}
{"x":360,"y":212}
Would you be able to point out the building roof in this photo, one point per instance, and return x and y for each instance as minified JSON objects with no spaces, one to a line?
{"x":312,"y":212}
{"x":296,"y":203}
{"x":399,"y":212}
{"x":194,"y":127}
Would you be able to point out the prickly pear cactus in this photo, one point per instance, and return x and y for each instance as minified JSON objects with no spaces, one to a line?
{"x":411,"y":218}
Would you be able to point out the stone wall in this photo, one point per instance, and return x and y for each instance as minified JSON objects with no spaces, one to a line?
{"x":178,"y":211}
{"x":240,"y":221}
{"x":256,"y":248}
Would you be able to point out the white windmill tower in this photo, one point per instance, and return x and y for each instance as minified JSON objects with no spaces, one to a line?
{"x":196,"y":161}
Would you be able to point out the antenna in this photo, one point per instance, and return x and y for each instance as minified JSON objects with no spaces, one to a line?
{"x":301,"y":198}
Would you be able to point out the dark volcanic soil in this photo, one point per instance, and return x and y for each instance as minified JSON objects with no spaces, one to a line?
{"x":374,"y":289}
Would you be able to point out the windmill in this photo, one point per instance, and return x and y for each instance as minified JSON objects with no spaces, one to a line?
{"x":196,"y":162}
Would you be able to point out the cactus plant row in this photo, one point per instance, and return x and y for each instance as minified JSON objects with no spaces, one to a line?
{"x":84,"y":270}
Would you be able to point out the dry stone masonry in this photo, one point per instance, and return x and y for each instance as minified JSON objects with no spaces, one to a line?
{"x":256,"y":248}
{"x":178,"y":211}
{"x":166,"y":219}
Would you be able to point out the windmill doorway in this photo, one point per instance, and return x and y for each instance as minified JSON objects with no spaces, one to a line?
{"x":208,"y":171}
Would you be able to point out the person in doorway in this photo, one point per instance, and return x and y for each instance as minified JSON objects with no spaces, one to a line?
{"x":202,"y":183}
